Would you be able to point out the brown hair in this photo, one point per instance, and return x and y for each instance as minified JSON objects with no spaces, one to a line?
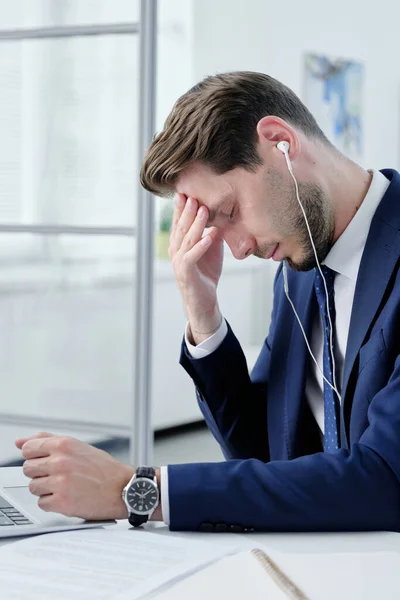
{"x":215,"y":123}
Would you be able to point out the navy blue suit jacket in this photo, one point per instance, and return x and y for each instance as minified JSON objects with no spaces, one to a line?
{"x":277,"y":477}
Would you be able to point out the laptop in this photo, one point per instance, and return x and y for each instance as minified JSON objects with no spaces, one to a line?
{"x":20,"y":514}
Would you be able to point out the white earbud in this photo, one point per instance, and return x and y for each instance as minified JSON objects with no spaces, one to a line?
{"x":283,"y":147}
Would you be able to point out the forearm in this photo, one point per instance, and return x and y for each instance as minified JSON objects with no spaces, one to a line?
{"x":234,"y":406}
{"x":336,"y":492}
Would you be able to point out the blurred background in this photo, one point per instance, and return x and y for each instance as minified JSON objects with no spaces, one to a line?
{"x":69,"y":163}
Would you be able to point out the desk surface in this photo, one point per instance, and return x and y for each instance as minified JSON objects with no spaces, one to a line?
{"x":384,"y":541}
{"x":301,"y":556}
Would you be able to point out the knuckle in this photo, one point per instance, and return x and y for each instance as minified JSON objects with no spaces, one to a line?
{"x":188,"y":241}
{"x":63,"y":484}
{"x":187,"y":259}
{"x":59,"y":463}
{"x":64,"y":444}
{"x":182,"y":229}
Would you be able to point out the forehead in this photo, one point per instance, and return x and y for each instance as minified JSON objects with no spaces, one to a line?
{"x":200,"y":182}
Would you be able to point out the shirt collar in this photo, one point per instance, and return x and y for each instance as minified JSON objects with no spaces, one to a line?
{"x":345,"y":255}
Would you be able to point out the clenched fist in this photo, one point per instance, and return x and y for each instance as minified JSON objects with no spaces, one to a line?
{"x":73,"y":478}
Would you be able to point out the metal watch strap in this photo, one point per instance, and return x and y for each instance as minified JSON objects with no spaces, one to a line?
{"x":134,"y":519}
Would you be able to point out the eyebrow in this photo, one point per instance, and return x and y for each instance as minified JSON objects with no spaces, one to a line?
{"x":213,"y":212}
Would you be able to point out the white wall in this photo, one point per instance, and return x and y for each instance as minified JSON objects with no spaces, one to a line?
{"x":196,"y":38}
{"x":272,"y":36}
{"x":174,"y":54}
{"x":175,"y":73}
{"x":229,"y":35}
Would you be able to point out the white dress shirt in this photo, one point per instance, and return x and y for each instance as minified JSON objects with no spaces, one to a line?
{"x":344,"y":258}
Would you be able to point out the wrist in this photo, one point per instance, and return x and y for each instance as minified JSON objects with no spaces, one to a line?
{"x":157,"y":514}
{"x":121,"y":511}
{"x":202,"y":329}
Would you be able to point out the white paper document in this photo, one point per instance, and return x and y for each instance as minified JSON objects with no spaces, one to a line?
{"x":126,"y":564}
{"x":235,"y":577}
{"x":345,"y":575}
{"x":97,"y":564}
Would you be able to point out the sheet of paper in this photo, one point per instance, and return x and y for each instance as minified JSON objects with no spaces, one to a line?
{"x":97,"y":564}
{"x":355,"y":575}
{"x":235,"y":577}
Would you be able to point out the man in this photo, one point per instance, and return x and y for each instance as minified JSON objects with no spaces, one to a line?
{"x":311,"y":444}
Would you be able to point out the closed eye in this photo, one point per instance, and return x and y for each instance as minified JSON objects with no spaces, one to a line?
{"x":232,"y":214}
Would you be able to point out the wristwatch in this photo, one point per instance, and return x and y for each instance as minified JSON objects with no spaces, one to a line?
{"x":141,"y":495}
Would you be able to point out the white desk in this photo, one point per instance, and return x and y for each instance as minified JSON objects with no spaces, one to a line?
{"x":301,"y":557}
{"x":288,"y":542}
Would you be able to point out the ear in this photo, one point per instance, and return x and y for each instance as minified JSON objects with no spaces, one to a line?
{"x":272,"y":130}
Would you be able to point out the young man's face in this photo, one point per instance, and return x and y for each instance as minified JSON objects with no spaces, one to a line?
{"x":258,"y":213}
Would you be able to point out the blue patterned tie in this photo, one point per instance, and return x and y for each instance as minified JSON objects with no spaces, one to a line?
{"x":331,"y":437}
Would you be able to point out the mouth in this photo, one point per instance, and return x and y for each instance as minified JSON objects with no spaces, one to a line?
{"x":272,"y":252}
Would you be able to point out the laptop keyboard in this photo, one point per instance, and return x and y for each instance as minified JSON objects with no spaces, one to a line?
{"x":11,"y":516}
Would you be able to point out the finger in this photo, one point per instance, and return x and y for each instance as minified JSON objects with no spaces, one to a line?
{"x":215,"y":234}
{"x":37,"y":447}
{"x":19,"y":442}
{"x":185,"y":222}
{"x":36,"y":467}
{"x":42,"y":486}
{"x":180,"y":202}
{"x":193,"y":256}
{"x":196,"y":231}
{"x":47,"y":502}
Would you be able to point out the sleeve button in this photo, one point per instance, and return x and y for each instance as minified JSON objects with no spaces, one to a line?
{"x":207,"y":527}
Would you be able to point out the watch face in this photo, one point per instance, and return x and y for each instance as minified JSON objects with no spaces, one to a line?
{"x":142,"y":496}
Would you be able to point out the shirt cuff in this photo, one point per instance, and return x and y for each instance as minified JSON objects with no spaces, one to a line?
{"x":164,"y":495}
{"x":209,"y":345}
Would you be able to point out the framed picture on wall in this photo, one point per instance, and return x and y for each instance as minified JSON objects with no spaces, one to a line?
{"x":334,"y":94}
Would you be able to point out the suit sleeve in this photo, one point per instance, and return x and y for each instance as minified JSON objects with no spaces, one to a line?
{"x":349,"y":490}
{"x":233,"y":404}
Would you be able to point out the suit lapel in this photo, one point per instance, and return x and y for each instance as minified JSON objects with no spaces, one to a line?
{"x":378,"y":262}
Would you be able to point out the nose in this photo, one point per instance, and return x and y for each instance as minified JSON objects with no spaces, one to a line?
{"x":241,"y":246}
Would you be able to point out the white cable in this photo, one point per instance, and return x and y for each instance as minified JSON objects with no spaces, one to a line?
{"x":334,"y":386}
{"x":286,"y":287}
